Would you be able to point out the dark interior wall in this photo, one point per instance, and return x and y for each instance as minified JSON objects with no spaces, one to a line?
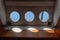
{"x":58,"y":23}
{"x":29,"y":0}
{"x":35,"y":6}
{"x":35,"y":9}
{"x":1,"y":28}
{"x":0,"y":21}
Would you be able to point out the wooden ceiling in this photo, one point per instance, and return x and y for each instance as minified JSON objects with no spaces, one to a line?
{"x":29,"y":0}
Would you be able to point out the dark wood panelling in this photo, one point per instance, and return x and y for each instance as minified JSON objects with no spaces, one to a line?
{"x":36,"y":6}
{"x":29,"y":0}
{"x":1,"y":30}
{"x":36,"y":10}
{"x":28,"y":34}
{"x":58,"y":23}
{"x":30,"y":3}
{"x":58,"y":32}
{"x":0,"y":22}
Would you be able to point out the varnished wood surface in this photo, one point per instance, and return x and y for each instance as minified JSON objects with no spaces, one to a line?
{"x":58,"y":23}
{"x":29,"y":0}
{"x":58,"y":32}
{"x":0,"y":21}
{"x":1,"y":30}
{"x":29,"y":34}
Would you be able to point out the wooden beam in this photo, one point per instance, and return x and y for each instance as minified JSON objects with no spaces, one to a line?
{"x":29,"y":0}
{"x":31,"y":3}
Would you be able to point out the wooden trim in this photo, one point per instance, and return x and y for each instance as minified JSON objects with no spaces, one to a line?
{"x":30,"y":3}
{"x":0,"y":21}
{"x":58,"y":23}
{"x":29,"y":0}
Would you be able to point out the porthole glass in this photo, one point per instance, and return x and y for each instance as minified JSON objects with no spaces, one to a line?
{"x":29,"y":16}
{"x":44,"y":16}
{"x":14,"y":16}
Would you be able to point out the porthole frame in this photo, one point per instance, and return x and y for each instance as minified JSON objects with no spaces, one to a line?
{"x":39,"y":17}
{"x":32,"y":13}
{"x":18,"y":13}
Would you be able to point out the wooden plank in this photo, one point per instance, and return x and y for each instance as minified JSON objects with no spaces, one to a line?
{"x":30,"y":3}
{"x":28,"y":34}
{"x":29,"y":0}
{"x":58,"y":23}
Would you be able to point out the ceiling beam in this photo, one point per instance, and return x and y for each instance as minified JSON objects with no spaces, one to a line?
{"x":30,"y":3}
{"x":29,"y":0}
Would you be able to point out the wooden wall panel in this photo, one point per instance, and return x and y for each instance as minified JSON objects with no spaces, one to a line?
{"x":30,"y":3}
{"x":1,"y":30}
{"x":29,"y":0}
{"x":35,"y":9}
{"x":0,"y":22}
{"x":58,"y":23}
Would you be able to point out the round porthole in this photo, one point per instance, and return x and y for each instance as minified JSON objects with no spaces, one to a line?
{"x":44,"y":16}
{"x":14,"y":16}
{"x":29,"y":16}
